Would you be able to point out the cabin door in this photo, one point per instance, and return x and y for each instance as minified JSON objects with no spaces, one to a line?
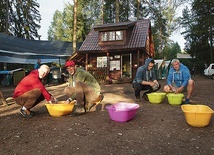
{"x":126,"y":66}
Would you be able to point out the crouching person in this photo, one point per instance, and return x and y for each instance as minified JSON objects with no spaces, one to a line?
{"x":145,"y":79}
{"x":179,"y":80}
{"x":83,"y":87}
{"x":30,"y":91}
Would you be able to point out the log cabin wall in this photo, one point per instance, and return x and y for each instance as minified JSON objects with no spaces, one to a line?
{"x":117,"y":49}
{"x":117,"y":67}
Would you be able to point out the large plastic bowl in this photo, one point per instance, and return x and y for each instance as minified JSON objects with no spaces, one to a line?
{"x":156,"y":97}
{"x":122,"y":111}
{"x":175,"y":99}
{"x":197,"y":115}
{"x":60,"y":109}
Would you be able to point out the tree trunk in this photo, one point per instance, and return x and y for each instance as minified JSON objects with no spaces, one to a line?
{"x":102,"y":12}
{"x":138,"y":9}
{"x":117,"y":11}
{"x":75,"y":27}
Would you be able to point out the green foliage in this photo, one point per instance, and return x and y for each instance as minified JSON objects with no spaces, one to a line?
{"x":165,"y":21}
{"x":22,"y":17}
{"x":3,"y":16}
{"x":91,"y":12}
{"x":58,"y":29}
{"x":172,"y":50}
{"x":62,"y":25}
{"x":199,"y":24}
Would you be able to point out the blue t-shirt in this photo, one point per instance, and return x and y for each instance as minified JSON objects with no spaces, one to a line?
{"x":36,"y":66}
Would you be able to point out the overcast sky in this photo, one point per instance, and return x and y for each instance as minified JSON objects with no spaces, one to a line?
{"x":48,"y":7}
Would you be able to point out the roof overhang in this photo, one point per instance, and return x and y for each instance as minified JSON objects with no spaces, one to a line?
{"x":114,"y":26}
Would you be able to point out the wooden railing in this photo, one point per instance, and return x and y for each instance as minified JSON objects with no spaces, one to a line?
{"x":100,"y":74}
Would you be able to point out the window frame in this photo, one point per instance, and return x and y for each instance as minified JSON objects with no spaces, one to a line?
{"x":112,"y":36}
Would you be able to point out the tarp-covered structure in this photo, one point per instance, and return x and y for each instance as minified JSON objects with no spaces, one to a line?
{"x":22,"y":51}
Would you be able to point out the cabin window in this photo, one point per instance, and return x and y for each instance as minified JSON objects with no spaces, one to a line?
{"x":112,"y":36}
{"x":114,"y":65}
{"x":102,"y":61}
{"x":104,"y":36}
{"x":119,"y":35}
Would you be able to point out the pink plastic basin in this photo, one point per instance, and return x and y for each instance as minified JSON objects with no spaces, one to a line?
{"x":122,"y":111}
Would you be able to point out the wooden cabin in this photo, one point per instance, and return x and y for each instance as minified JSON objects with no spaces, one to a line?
{"x":114,"y":51}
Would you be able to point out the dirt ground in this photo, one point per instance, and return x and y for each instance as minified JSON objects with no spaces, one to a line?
{"x":155,"y":129}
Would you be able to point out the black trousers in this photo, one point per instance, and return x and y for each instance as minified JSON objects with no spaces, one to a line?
{"x":138,"y":87}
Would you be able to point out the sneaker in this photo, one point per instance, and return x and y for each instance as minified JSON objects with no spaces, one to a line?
{"x":99,"y":99}
{"x":26,"y":113}
{"x":32,"y":112}
{"x":79,"y":111}
{"x":145,"y":97}
{"x":137,"y":99}
{"x":187,"y":101}
{"x":92,"y":106}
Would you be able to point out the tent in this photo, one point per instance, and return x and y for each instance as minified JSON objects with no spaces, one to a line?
{"x":162,"y":67}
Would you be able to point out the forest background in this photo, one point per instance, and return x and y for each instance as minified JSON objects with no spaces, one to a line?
{"x":21,"y":18}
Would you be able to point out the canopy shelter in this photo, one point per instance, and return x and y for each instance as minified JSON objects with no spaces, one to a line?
{"x":23,"y":51}
{"x":30,"y":59}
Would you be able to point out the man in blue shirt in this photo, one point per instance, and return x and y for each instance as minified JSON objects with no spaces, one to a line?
{"x":179,"y":80}
{"x":37,"y":65}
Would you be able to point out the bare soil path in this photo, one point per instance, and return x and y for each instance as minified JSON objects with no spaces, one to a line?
{"x":156,"y":129}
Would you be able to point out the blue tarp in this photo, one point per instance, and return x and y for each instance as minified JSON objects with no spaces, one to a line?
{"x":6,"y":72}
{"x":31,"y":60}
{"x":24,"y":51}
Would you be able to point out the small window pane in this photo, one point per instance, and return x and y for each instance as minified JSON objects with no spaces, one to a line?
{"x":111,"y":35}
{"x":104,"y":36}
{"x":102,"y":61}
{"x":119,"y":35}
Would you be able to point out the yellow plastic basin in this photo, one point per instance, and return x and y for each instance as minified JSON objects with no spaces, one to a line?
{"x":60,"y":109}
{"x":197,"y":115}
{"x":175,"y":99}
{"x":156,"y":97}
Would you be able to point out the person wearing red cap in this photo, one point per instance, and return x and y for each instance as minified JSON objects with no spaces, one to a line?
{"x":83,"y":87}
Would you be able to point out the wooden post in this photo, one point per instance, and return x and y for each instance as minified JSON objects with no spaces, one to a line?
{"x":108,"y":67}
{"x":2,"y":98}
{"x":138,"y":58}
{"x":86,"y":62}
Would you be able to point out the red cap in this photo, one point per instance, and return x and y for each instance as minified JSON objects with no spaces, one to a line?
{"x":69,"y":63}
